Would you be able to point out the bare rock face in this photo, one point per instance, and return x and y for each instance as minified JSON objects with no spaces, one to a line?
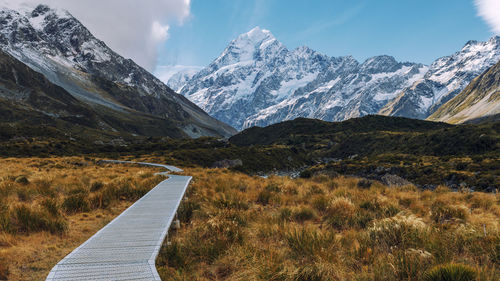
{"x":394,"y":180}
{"x":226,"y":163}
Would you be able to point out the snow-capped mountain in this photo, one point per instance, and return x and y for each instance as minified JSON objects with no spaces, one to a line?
{"x":258,"y":81}
{"x":55,"y":44}
{"x":447,"y":77}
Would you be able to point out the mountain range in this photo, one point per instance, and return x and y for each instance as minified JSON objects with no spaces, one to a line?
{"x":258,"y":81}
{"x":56,"y":73}
{"x":121,"y":95}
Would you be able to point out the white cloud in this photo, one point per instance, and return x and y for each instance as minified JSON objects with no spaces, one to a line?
{"x":489,"y":10}
{"x":164,"y":73}
{"x":159,"y":31}
{"x":132,"y":28}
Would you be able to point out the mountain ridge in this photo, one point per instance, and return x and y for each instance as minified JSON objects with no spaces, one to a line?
{"x":54,"y":43}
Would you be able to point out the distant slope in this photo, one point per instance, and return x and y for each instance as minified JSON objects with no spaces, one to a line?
{"x":54,"y":43}
{"x":480,"y":100}
{"x":375,"y":135}
{"x":280,"y":132}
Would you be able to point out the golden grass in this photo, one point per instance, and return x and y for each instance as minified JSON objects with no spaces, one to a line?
{"x":240,"y":227}
{"x":50,"y":206}
{"x":250,"y":228}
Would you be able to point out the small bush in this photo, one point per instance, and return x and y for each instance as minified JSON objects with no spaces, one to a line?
{"x":51,"y":206}
{"x":309,"y":242}
{"x":441,"y":212}
{"x":76,"y":203}
{"x":210,"y":240}
{"x":481,"y":200}
{"x":186,"y":211}
{"x":451,"y":272}
{"x":28,"y":220}
{"x":230,"y":201}
{"x":303,"y":214}
{"x":145,"y":175}
{"x":320,"y":203}
{"x":380,"y":209}
{"x":364,"y":183}
{"x":285,"y":213}
{"x":272,"y":188}
{"x":403,"y":230}
{"x":78,"y":190}
{"x":340,"y":212}
{"x":22,"y":180}
{"x":127,"y":191}
{"x":314,"y":189}
{"x":44,"y":187}
{"x":306,"y":174}
{"x":264,"y":197}
{"x":412,"y":263}
{"x":96,"y":186}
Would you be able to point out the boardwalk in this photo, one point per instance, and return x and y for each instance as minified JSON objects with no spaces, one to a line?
{"x":127,"y":247}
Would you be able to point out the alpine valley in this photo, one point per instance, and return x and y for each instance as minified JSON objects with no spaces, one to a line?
{"x":258,"y":81}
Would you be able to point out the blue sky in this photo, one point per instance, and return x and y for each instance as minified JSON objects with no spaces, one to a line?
{"x":410,"y":30}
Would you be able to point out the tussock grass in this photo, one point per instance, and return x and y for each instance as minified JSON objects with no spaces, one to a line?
{"x":455,"y":272}
{"x":240,"y":227}
{"x":50,"y":206}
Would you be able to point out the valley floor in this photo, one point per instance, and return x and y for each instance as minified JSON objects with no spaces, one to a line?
{"x":240,"y":227}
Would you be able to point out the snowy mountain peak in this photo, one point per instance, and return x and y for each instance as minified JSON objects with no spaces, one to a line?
{"x":257,"y":44}
{"x":473,"y":46}
{"x":257,"y":34}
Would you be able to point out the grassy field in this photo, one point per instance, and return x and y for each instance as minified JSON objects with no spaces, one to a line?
{"x":50,"y":206}
{"x":239,"y":227}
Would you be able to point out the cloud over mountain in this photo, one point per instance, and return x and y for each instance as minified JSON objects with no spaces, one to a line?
{"x":489,"y":10}
{"x":132,"y":28}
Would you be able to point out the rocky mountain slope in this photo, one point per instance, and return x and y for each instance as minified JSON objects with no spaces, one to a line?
{"x":57,"y":45}
{"x":480,"y":99}
{"x":30,"y":103}
{"x":446,"y":78}
{"x":258,"y":81}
